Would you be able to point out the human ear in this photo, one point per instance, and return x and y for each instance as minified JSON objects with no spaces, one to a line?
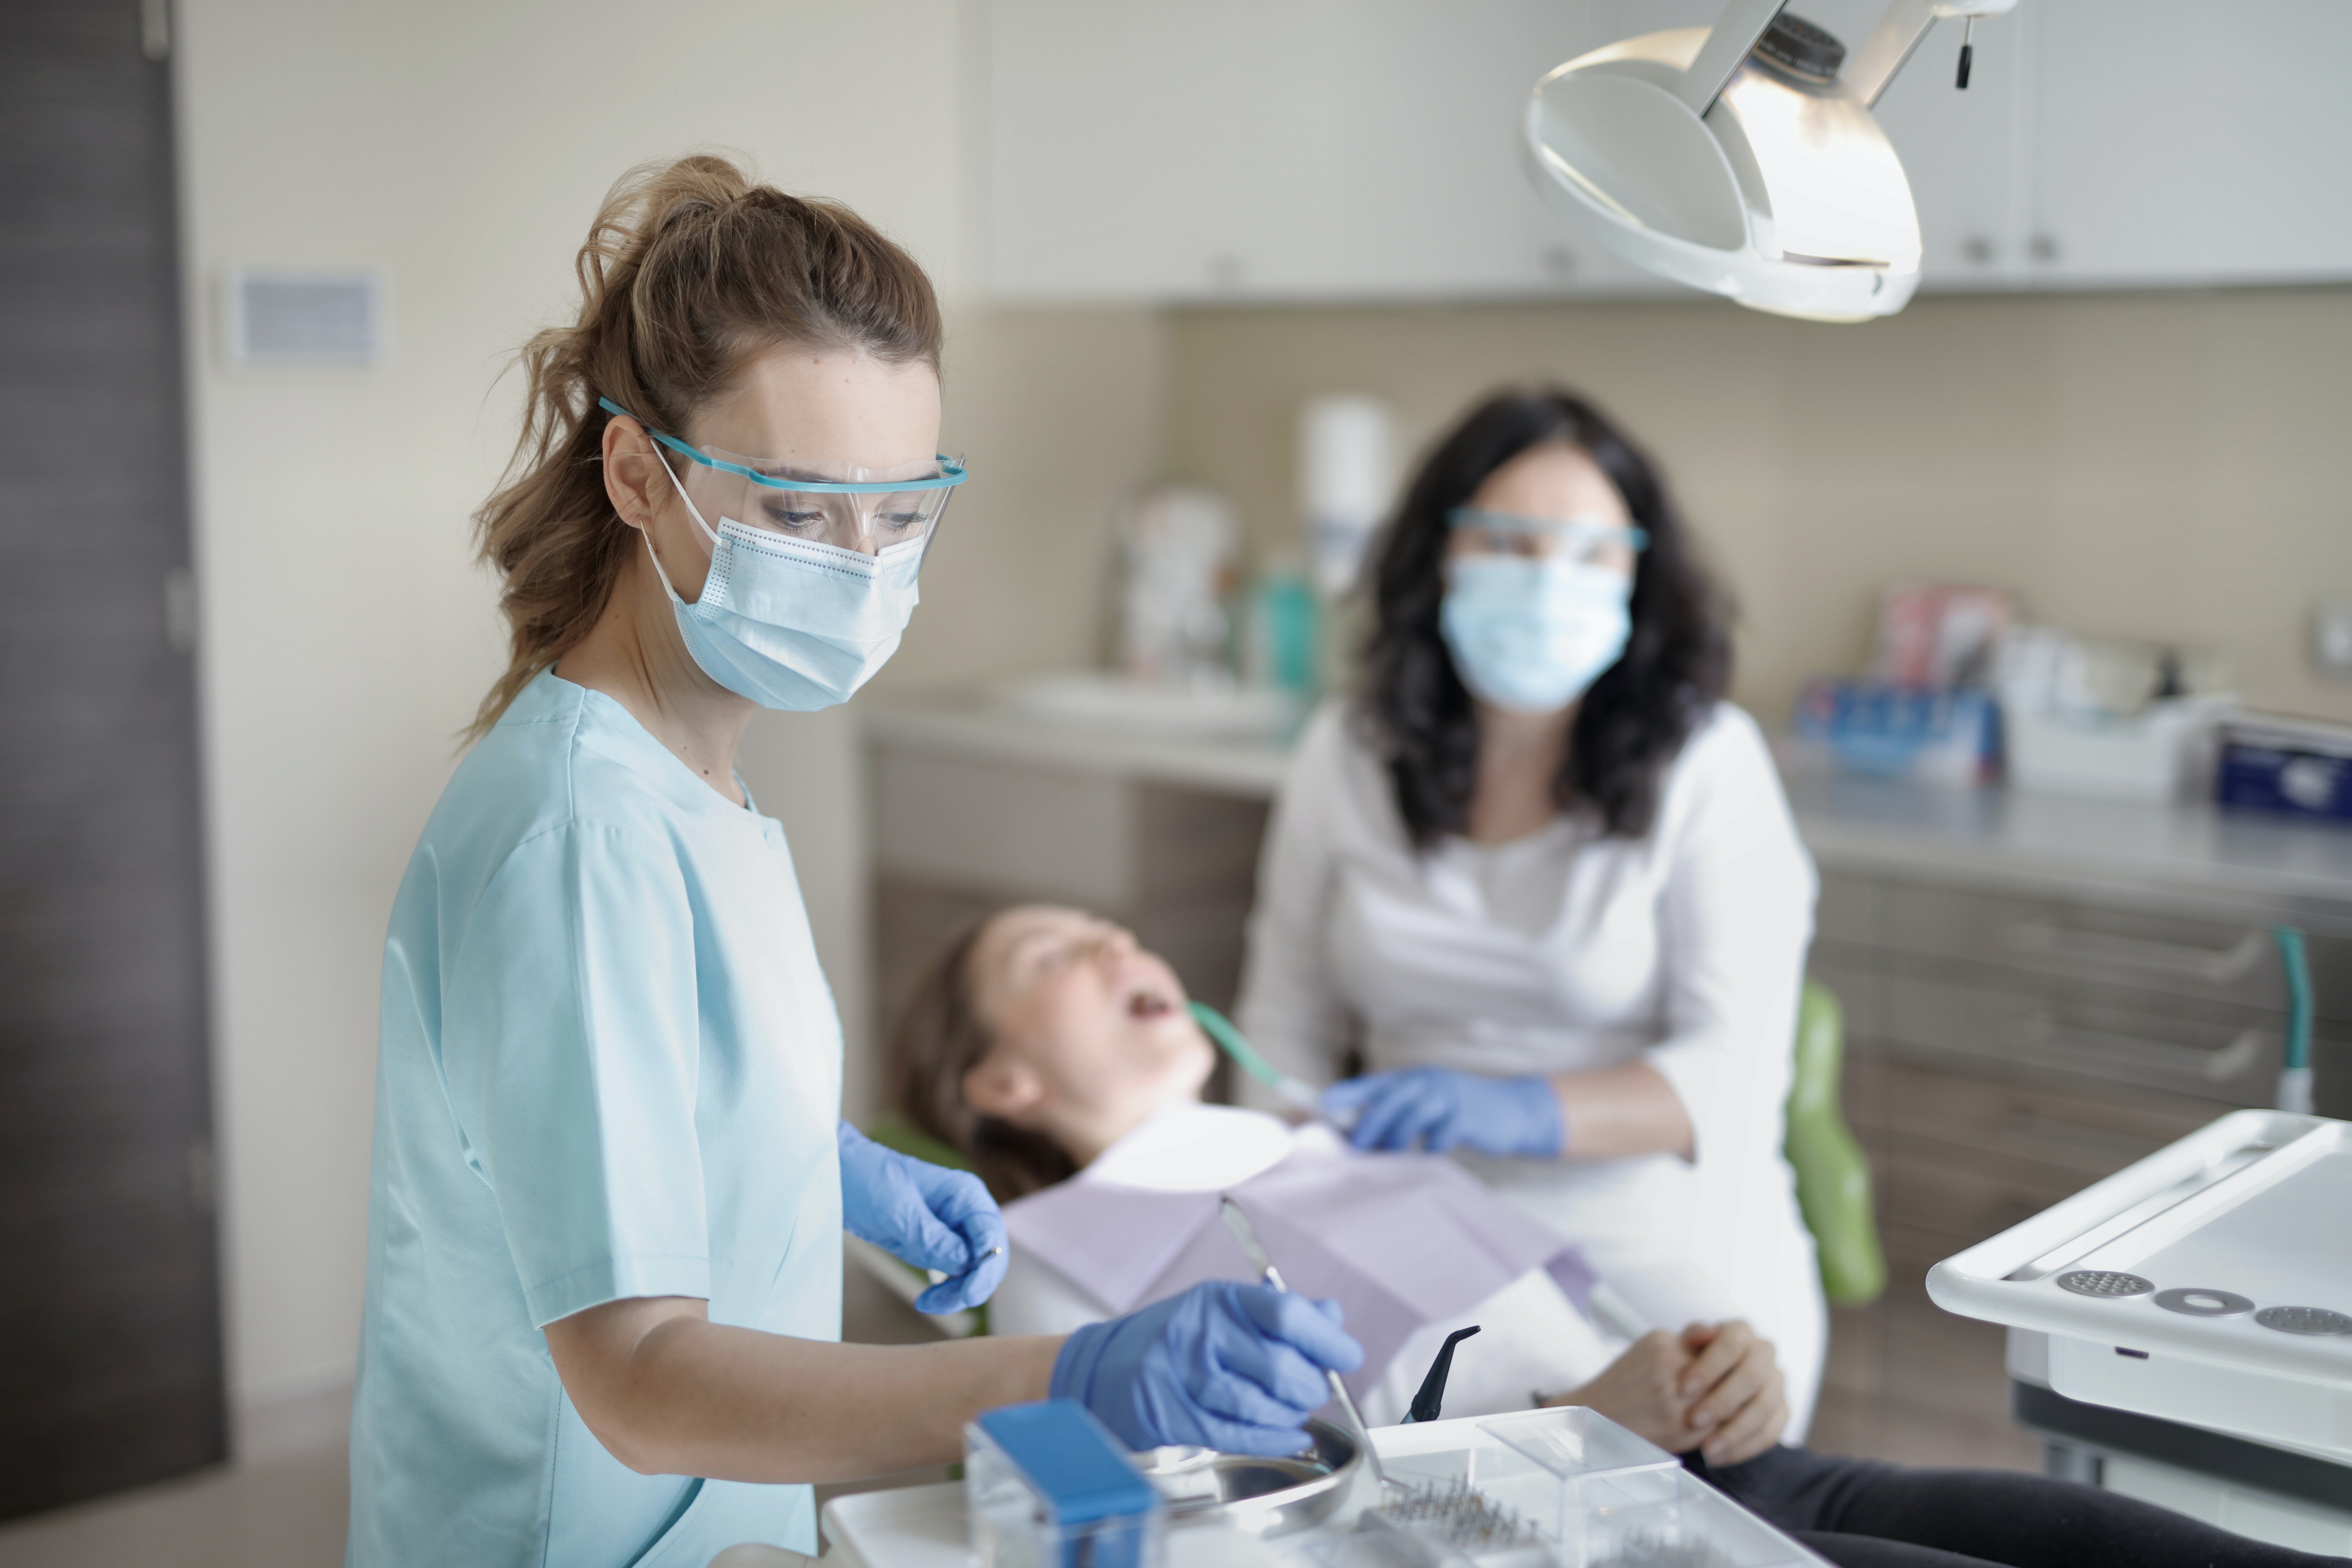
{"x":1003,"y":1088}
{"x":630,"y":479}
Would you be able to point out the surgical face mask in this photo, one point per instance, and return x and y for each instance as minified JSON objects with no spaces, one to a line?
{"x":796,"y":622}
{"x":1533,"y":632}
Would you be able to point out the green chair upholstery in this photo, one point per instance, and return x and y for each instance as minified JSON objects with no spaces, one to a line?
{"x":901,"y":1136}
{"x":1832,"y":1176}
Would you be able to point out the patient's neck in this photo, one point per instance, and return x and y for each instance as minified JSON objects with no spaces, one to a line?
{"x":1084,"y":1137}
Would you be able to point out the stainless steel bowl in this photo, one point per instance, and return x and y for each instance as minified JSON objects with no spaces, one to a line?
{"x":1264,"y":1497}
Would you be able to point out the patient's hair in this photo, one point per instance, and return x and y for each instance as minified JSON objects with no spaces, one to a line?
{"x":940,"y":1037}
{"x":1631,"y":724}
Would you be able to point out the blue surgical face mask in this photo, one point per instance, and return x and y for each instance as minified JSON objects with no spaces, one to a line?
{"x":793,"y":623}
{"x":1532,"y":633}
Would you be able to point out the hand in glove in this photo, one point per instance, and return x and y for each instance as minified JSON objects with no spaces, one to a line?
{"x":926,"y":1215}
{"x":1233,"y":1367}
{"x":1443,"y":1109}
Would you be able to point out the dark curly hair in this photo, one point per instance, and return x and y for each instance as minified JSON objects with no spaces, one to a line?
{"x":1412,"y":707}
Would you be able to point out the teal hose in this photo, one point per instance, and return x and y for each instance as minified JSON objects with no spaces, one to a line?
{"x":2294,"y":1077}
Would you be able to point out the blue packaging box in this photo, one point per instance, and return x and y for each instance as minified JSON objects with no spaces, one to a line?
{"x":2286,"y":769}
{"x":1941,"y":735}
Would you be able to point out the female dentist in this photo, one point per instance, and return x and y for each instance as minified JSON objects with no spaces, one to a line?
{"x":610,"y":1183}
{"x":1543,"y":878}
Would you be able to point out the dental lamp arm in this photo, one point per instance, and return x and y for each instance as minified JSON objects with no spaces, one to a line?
{"x":1728,"y":43}
{"x":1899,"y":32}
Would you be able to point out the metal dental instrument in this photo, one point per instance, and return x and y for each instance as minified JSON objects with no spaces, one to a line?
{"x":1246,"y":1234}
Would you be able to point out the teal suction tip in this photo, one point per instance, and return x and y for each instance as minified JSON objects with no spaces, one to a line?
{"x":1229,"y":1040}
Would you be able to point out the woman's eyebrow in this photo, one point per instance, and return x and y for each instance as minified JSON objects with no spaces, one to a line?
{"x":1020,"y":948}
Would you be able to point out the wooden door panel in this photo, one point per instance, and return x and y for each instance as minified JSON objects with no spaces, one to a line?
{"x":109,"y":1295}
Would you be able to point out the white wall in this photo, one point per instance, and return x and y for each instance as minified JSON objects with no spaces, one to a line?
{"x":2161,"y":465}
{"x":346,"y":637}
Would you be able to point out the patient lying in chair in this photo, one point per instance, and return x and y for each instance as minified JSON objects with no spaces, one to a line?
{"x":1060,"y":1058}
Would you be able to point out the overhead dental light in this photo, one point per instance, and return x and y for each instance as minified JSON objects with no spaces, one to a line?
{"x":1743,"y":159}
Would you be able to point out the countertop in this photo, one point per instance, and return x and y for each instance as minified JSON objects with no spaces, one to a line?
{"x":1987,"y":836}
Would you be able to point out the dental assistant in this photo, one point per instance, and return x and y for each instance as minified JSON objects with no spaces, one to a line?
{"x":1538,"y":882}
{"x":610,"y":1181}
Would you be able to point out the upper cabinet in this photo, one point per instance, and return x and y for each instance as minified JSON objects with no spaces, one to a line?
{"x":1332,"y":150}
{"x":2179,"y":143}
{"x":1274,"y":149}
{"x":1961,"y":151}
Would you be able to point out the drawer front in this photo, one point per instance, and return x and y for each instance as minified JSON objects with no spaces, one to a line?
{"x":979,"y":824}
{"x":2221,"y":959}
{"x":1850,"y":908}
{"x":1859,"y":988}
{"x":1933,"y":1209}
{"x":2218,"y":1054}
{"x":2074,"y":1137}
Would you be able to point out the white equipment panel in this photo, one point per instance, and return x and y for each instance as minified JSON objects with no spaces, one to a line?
{"x":2209,"y":1283}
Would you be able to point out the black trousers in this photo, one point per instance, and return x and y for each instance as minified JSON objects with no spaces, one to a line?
{"x":1860,"y":1513}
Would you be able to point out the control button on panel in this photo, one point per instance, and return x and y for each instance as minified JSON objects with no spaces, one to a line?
{"x":2197,"y":1303}
{"x":2304,"y":1321}
{"x":2100,"y":1282}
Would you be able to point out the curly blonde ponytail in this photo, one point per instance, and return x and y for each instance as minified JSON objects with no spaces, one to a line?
{"x":688,"y":269}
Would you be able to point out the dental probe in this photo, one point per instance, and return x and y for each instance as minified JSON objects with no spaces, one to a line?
{"x":1246,"y":1234}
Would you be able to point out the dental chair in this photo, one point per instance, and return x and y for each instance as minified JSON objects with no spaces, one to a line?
{"x":1833,"y":1174}
{"x":1833,"y":1188}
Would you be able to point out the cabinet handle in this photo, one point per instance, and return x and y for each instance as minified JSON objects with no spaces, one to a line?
{"x":2213,"y":965}
{"x":2091,"y":1046}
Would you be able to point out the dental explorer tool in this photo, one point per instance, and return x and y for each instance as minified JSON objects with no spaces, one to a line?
{"x":1246,"y":1234}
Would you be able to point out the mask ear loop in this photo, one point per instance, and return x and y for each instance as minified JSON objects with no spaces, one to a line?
{"x":691,"y":510}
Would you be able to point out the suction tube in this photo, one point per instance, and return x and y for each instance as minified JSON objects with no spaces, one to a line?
{"x":2294,"y":1077}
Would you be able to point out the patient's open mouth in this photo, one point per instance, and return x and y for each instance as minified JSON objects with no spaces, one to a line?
{"x":1146,"y":1004}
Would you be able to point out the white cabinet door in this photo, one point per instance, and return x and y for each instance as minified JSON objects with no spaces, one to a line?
{"x":1960,"y":151}
{"x":1278,"y":149}
{"x":2183,"y":142}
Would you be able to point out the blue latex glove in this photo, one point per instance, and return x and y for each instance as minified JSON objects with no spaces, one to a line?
{"x":1443,"y":1109}
{"x":926,"y":1215}
{"x":1233,"y":1367}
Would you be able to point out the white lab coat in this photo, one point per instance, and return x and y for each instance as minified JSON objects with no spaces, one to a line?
{"x":1531,"y":1338}
{"x":1569,"y":950}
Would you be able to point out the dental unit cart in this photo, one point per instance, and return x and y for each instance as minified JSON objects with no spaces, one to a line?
{"x":1561,"y":1488}
{"x":2194,"y":1312}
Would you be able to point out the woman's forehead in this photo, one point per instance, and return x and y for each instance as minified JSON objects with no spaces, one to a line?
{"x":1013,"y":933}
{"x":1551,"y":481}
{"x":826,"y":405}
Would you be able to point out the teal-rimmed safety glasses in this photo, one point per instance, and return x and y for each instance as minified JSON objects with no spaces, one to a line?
{"x":1589,"y":540}
{"x":866,"y":510}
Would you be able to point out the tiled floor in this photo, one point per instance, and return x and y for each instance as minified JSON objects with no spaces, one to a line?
{"x":289,"y":1514}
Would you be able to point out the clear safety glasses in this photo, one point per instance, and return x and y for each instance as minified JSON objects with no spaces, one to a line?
{"x":865,"y":510}
{"x":1586,"y":540}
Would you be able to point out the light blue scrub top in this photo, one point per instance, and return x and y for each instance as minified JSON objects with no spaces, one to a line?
{"x":609,"y":1066}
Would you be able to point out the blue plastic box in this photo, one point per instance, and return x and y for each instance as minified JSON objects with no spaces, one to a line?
{"x":1047,"y":1485}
